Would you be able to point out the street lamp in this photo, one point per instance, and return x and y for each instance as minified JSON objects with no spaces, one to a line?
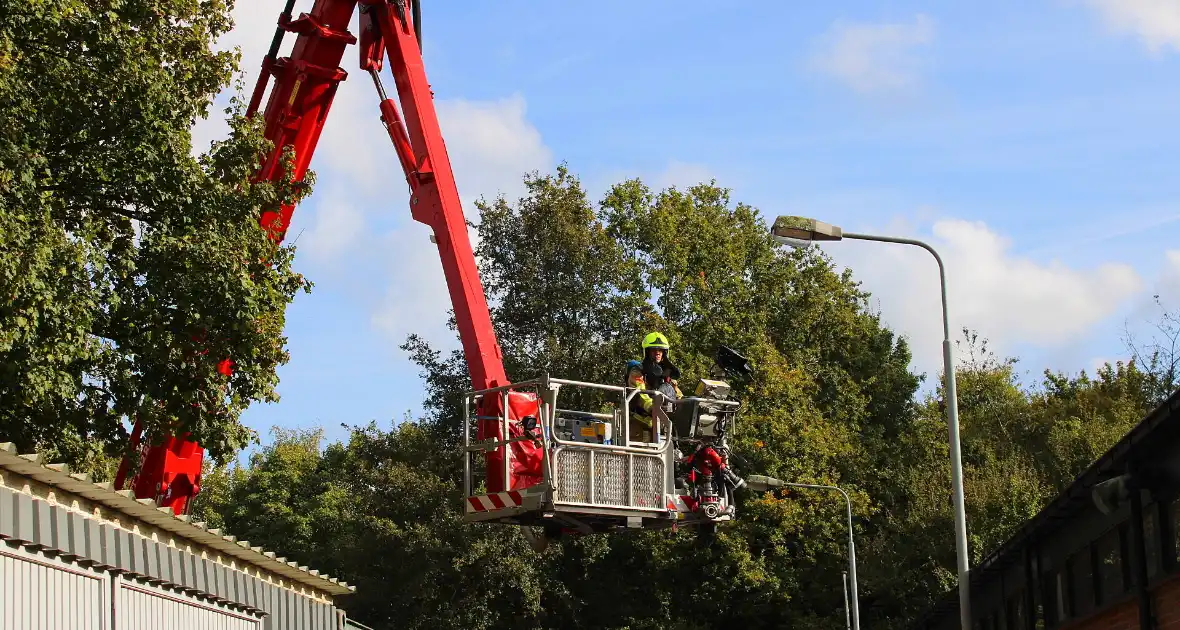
{"x":759,"y":483}
{"x":799,"y":231}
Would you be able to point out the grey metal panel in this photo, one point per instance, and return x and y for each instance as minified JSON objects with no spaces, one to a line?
{"x":270,"y":603}
{"x":254,"y":592}
{"x":246,"y":592}
{"x":77,"y":534}
{"x":227,"y":583}
{"x":125,"y":544}
{"x":50,"y":594}
{"x":186,"y":562}
{"x":151,"y":557}
{"x":94,"y":541}
{"x":267,"y":601}
{"x":110,"y":547}
{"x":216,"y":584}
{"x":289,"y":608}
{"x":323,"y":617}
{"x":138,"y":558}
{"x":105,"y":546}
{"x":42,"y":524}
{"x":176,"y":565}
{"x":205,"y":574}
{"x":209,"y":576}
{"x":7,"y":512}
{"x":60,"y":526}
{"x":188,"y":577}
{"x":144,"y":607}
{"x":123,"y":550}
{"x":23,"y":507}
{"x":274,"y":602}
{"x":163,"y":562}
{"x":239,"y":588}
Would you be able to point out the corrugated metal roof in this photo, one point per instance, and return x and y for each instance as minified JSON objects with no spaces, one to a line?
{"x":146,"y":510}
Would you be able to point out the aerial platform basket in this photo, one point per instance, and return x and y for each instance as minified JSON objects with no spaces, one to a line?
{"x":529,"y":459}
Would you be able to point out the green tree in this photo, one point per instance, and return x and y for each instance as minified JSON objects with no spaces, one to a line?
{"x":1159,"y":355}
{"x":573,"y":287}
{"x":128,"y":268}
{"x":1021,"y":447}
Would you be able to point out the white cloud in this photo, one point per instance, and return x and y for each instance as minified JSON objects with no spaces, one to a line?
{"x":1163,"y":295}
{"x":874,"y":57}
{"x":355,"y":148}
{"x":681,"y":175}
{"x":1011,"y":300}
{"x":1155,"y":22}
{"x":416,"y":298}
{"x":1095,"y":364}
{"x":491,"y":145}
{"x":1168,"y":284}
{"x":338,"y":224}
{"x":676,"y":173}
{"x":254,"y":27}
{"x":254,"y":24}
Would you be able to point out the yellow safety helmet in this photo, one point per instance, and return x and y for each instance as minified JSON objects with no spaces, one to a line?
{"x":655,"y":340}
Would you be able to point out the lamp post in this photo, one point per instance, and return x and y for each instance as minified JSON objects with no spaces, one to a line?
{"x":762,"y":482}
{"x":799,"y":231}
{"x":847,"y":623}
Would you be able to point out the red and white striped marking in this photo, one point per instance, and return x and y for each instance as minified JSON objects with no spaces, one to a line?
{"x":497,"y":501}
{"x":678,"y":503}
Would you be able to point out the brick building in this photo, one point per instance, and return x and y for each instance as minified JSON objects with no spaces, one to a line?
{"x":1077,"y":566}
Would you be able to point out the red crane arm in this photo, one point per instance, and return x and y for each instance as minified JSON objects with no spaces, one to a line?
{"x":305,"y":85}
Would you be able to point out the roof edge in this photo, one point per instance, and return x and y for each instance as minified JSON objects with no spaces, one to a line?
{"x":58,"y":476}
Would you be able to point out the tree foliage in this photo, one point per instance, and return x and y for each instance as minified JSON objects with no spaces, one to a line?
{"x":130,"y":269}
{"x":1021,"y":447}
{"x":574,"y":285}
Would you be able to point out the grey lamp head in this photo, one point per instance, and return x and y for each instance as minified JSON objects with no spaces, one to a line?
{"x":792,"y":228}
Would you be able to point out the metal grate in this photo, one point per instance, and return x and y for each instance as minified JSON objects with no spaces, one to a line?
{"x":618,"y":479}
{"x":610,"y":479}
{"x":648,"y":475}
{"x":571,"y":472}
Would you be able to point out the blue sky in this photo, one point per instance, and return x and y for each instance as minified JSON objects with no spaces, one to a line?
{"x":1032,"y":143}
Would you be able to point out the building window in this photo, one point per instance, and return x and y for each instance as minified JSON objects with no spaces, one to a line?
{"x":1110,"y":566}
{"x":1174,"y":517}
{"x":1061,"y":589}
{"x":1016,"y":617}
{"x":1151,"y":540}
{"x":1081,"y":583}
{"x":1049,"y":610}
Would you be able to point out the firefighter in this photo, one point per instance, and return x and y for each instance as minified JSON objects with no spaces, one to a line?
{"x":655,"y":372}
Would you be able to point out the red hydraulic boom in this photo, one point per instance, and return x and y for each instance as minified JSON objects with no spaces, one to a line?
{"x":304,"y":85}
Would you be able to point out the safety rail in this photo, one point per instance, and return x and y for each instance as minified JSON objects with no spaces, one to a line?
{"x":580,"y":476}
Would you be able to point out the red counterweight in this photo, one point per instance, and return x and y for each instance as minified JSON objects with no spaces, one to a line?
{"x":305,"y":83}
